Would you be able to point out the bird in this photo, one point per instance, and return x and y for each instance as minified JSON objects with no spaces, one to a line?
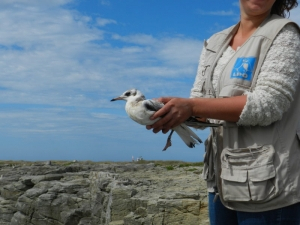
{"x":141,"y":109}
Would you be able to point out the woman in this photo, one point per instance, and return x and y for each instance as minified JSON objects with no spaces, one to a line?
{"x":248,"y":81}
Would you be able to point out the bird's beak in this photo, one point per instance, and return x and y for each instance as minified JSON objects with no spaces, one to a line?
{"x":115,"y":99}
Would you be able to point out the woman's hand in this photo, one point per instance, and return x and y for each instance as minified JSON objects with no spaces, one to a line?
{"x":174,"y":112}
{"x":178,"y":110}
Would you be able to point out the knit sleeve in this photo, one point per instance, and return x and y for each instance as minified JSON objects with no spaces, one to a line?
{"x":277,"y":80}
{"x":196,"y":91}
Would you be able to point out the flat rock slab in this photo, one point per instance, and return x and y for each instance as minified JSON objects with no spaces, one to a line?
{"x":90,"y":193}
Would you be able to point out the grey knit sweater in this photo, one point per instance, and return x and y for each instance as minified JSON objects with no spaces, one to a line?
{"x":276,"y":82}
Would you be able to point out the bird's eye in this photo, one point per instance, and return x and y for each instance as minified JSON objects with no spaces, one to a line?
{"x":127,"y":94}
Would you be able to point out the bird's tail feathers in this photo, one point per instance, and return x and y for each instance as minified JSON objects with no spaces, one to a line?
{"x":187,"y":135}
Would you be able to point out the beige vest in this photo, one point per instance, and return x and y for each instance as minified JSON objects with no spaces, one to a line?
{"x":258,"y":168}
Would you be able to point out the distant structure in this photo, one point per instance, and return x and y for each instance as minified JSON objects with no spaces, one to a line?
{"x":139,"y":158}
{"x":48,"y":163}
{"x":132,"y":158}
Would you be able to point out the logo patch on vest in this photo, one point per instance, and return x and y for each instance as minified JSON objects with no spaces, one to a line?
{"x":243,"y":68}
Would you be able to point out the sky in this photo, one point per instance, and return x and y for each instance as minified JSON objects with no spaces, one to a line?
{"x":62,"y":61}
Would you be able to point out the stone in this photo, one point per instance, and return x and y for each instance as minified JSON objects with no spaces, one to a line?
{"x":81,"y":193}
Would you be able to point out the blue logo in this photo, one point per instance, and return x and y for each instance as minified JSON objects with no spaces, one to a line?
{"x":243,"y":68}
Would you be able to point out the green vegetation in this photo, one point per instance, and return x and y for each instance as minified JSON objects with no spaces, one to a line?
{"x":191,"y":164}
{"x":168,"y":164}
{"x":192,"y":169}
{"x":169,"y":167}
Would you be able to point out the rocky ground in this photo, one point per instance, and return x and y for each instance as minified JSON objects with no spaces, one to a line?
{"x":82,"y":193}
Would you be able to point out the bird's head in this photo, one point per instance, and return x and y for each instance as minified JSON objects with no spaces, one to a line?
{"x":132,"y":94}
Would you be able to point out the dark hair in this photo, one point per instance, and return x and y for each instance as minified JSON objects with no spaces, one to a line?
{"x":280,"y":6}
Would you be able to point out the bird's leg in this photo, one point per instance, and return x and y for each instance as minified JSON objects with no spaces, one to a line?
{"x":169,"y":143}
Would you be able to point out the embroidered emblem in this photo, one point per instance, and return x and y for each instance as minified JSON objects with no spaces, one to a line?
{"x":243,"y":68}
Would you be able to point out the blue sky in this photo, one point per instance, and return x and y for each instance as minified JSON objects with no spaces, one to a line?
{"x":62,"y":61}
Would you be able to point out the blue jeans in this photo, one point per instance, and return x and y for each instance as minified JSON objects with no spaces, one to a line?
{"x":220,"y":215}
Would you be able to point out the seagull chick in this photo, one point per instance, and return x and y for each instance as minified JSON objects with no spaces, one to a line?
{"x":141,"y":109}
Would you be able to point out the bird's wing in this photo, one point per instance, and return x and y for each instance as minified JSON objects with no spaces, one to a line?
{"x":198,"y":124}
{"x":152,"y":105}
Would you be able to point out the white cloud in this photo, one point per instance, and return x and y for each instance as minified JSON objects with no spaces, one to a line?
{"x":34,"y":2}
{"x":237,"y":4}
{"x":54,"y":57}
{"x":105,"y":2}
{"x":48,"y":64}
{"x":139,"y":39}
{"x":58,"y":121}
{"x":103,"y":22}
{"x":217,"y":13}
{"x":173,"y":51}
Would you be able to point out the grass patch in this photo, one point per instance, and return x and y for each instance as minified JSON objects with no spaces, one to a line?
{"x":169,"y":167}
{"x":158,"y":163}
{"x":191,"y":169}
{"x":190,"y":164}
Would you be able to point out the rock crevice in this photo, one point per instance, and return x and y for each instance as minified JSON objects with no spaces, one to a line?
{"x":101,"y":194}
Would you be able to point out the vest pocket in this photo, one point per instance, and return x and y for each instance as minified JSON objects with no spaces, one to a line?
{"x":248,"y":174}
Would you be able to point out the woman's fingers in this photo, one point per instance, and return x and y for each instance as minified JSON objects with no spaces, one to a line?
{"x":174,"y":112}
{"x":163,"y":110}
{"x":162,"y":124}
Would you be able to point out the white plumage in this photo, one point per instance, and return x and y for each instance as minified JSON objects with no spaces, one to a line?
{"x":141,"y":109}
